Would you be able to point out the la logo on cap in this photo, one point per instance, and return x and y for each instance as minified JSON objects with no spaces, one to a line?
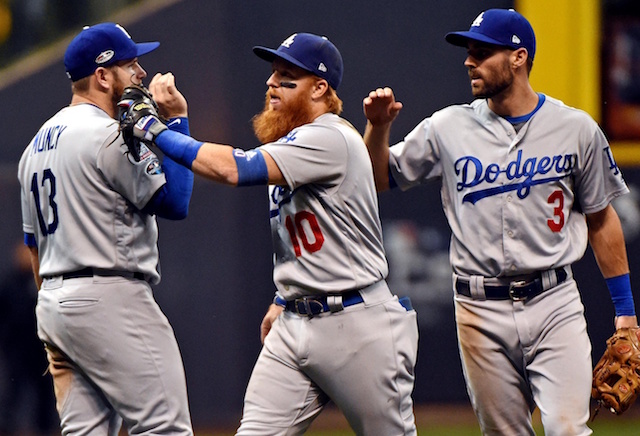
{"x":287,"y":42}
{"x":123,"y":30}
{"x":478,"y":20}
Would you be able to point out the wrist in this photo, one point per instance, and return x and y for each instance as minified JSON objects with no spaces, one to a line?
{"x":181,"y":148}
{"x":621,"y":295}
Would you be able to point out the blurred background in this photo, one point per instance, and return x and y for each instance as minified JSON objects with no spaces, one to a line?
{"x":216,"y":264}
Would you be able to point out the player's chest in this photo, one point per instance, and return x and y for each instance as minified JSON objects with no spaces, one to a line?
{"x":486,"y":167}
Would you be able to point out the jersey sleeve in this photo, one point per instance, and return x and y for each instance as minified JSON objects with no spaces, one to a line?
{"x":25,"y":196}
{"x":136,"y":181}
{"x":416,"y":159}
{"x":599,"y":179}
{"x":310,"y":154}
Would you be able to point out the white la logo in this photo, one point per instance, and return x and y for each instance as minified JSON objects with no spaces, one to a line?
{"x":123,"y":31}
{"x":287,"y":42}
{"x":478,"y":20}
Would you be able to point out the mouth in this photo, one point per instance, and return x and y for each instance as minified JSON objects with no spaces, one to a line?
{"x":274,"y":100}
{"x":475,"y":79}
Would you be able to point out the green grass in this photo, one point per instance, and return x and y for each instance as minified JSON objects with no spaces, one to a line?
{"x":609,"y":427}
{"x":605,"y":427}
{"x":436,"y":420}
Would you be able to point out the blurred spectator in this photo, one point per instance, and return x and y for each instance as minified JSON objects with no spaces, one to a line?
{"x":27,"y":404}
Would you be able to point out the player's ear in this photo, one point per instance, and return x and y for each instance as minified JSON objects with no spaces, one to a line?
{"x":519,"y":57}
{"x":320,"y":88}
{"x":101,"y":75}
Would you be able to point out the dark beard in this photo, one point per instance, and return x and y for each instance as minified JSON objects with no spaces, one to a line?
{"x":496,"y":84}
{"x":270,"y":125}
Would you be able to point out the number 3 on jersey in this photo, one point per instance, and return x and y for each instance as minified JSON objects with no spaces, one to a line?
{"x":48,"y":184}
{"x":557,"y":200}
{"x":301,"y":228}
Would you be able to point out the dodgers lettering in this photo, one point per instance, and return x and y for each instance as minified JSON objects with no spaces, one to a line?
{"x":471,"y":173}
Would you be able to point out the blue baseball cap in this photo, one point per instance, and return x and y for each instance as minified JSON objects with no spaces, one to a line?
{"x":503,"y":27}
{"x":312,"y":53}
{"x":100,"y":46}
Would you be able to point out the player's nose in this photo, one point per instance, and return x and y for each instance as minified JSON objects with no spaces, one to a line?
{"x":272,"y":81}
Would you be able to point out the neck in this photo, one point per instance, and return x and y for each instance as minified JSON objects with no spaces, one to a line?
{"x":514,"y":102}
{"x":99,"y":100}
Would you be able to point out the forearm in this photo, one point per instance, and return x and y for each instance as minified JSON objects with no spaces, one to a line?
{"x":216,"y":162}
{"x":35,"y":266}
{"x":213,"y":161}
{"x":607,"y":242}
{"x":172,"y":200}
{"x":377,"y":140}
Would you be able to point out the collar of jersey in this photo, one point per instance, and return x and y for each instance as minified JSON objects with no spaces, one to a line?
{"x":527,"y":117}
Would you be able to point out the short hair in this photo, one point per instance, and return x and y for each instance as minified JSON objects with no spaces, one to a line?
{"x":334,"y":103}
{"x":81,"y":85}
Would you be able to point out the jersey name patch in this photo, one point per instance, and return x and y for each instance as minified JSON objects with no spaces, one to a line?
{"x":47,"y":139}
{"x":472,"y":173}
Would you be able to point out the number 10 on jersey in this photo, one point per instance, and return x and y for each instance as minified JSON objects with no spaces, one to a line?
{"x":303,"y":228}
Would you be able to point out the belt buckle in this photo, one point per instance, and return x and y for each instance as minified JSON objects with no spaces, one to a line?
{"x":515,"y":290}
{"x":308,"y":303}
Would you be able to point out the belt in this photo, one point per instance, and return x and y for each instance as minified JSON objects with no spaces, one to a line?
{"x":518,"y":290}
{"x":315,"y":305}
{"x":90,"y":272}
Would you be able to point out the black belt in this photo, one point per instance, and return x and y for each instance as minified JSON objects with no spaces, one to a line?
{"x":90,"y":272}
{"x":315,"y":305}
{"x":519,"y":290}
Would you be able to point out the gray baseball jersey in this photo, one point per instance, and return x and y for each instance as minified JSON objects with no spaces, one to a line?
{"x":328,"y":239}
{"x":90,"y":216}
{"x":515,"y":200}
{"x":325,"y":225}
{"x":112,"y":352}
{"x":512,"y":199}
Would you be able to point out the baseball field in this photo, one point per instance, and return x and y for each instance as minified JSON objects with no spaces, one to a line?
{"x":456,"y":420}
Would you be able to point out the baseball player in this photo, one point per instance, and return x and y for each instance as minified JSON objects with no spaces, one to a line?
{"x":335,"y":330}
{"x":526,"y":182}
{"x":89,"y":212}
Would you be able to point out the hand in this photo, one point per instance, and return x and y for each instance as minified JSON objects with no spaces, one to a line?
{"x":148,"y":127}
{"x":380,"y":107}
{"x":135,"y":104}
{"x":138,"y":115}
{"x":267,"y":322}
{"x":625,"y":321}
{"x":171,"y":102}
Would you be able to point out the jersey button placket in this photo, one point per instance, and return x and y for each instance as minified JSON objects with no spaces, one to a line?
{"x":509,"y":223}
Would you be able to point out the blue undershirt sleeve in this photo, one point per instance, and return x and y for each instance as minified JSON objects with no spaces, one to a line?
{"x":183,"y":149}
{"x":172,"y":200}
{"x":30,"y":240}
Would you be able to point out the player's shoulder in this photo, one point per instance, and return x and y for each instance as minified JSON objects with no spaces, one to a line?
{"x":456,"y":113}
{"x":561,"y":111}
{"x":328,"y":128}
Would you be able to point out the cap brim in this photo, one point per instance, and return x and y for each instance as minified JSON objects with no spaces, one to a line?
{"x":269,"y":54}
{"x":146,"y":47}
{"x":461,"y":39}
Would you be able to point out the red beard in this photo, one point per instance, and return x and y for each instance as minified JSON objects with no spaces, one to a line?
{"x":270,"y":125}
